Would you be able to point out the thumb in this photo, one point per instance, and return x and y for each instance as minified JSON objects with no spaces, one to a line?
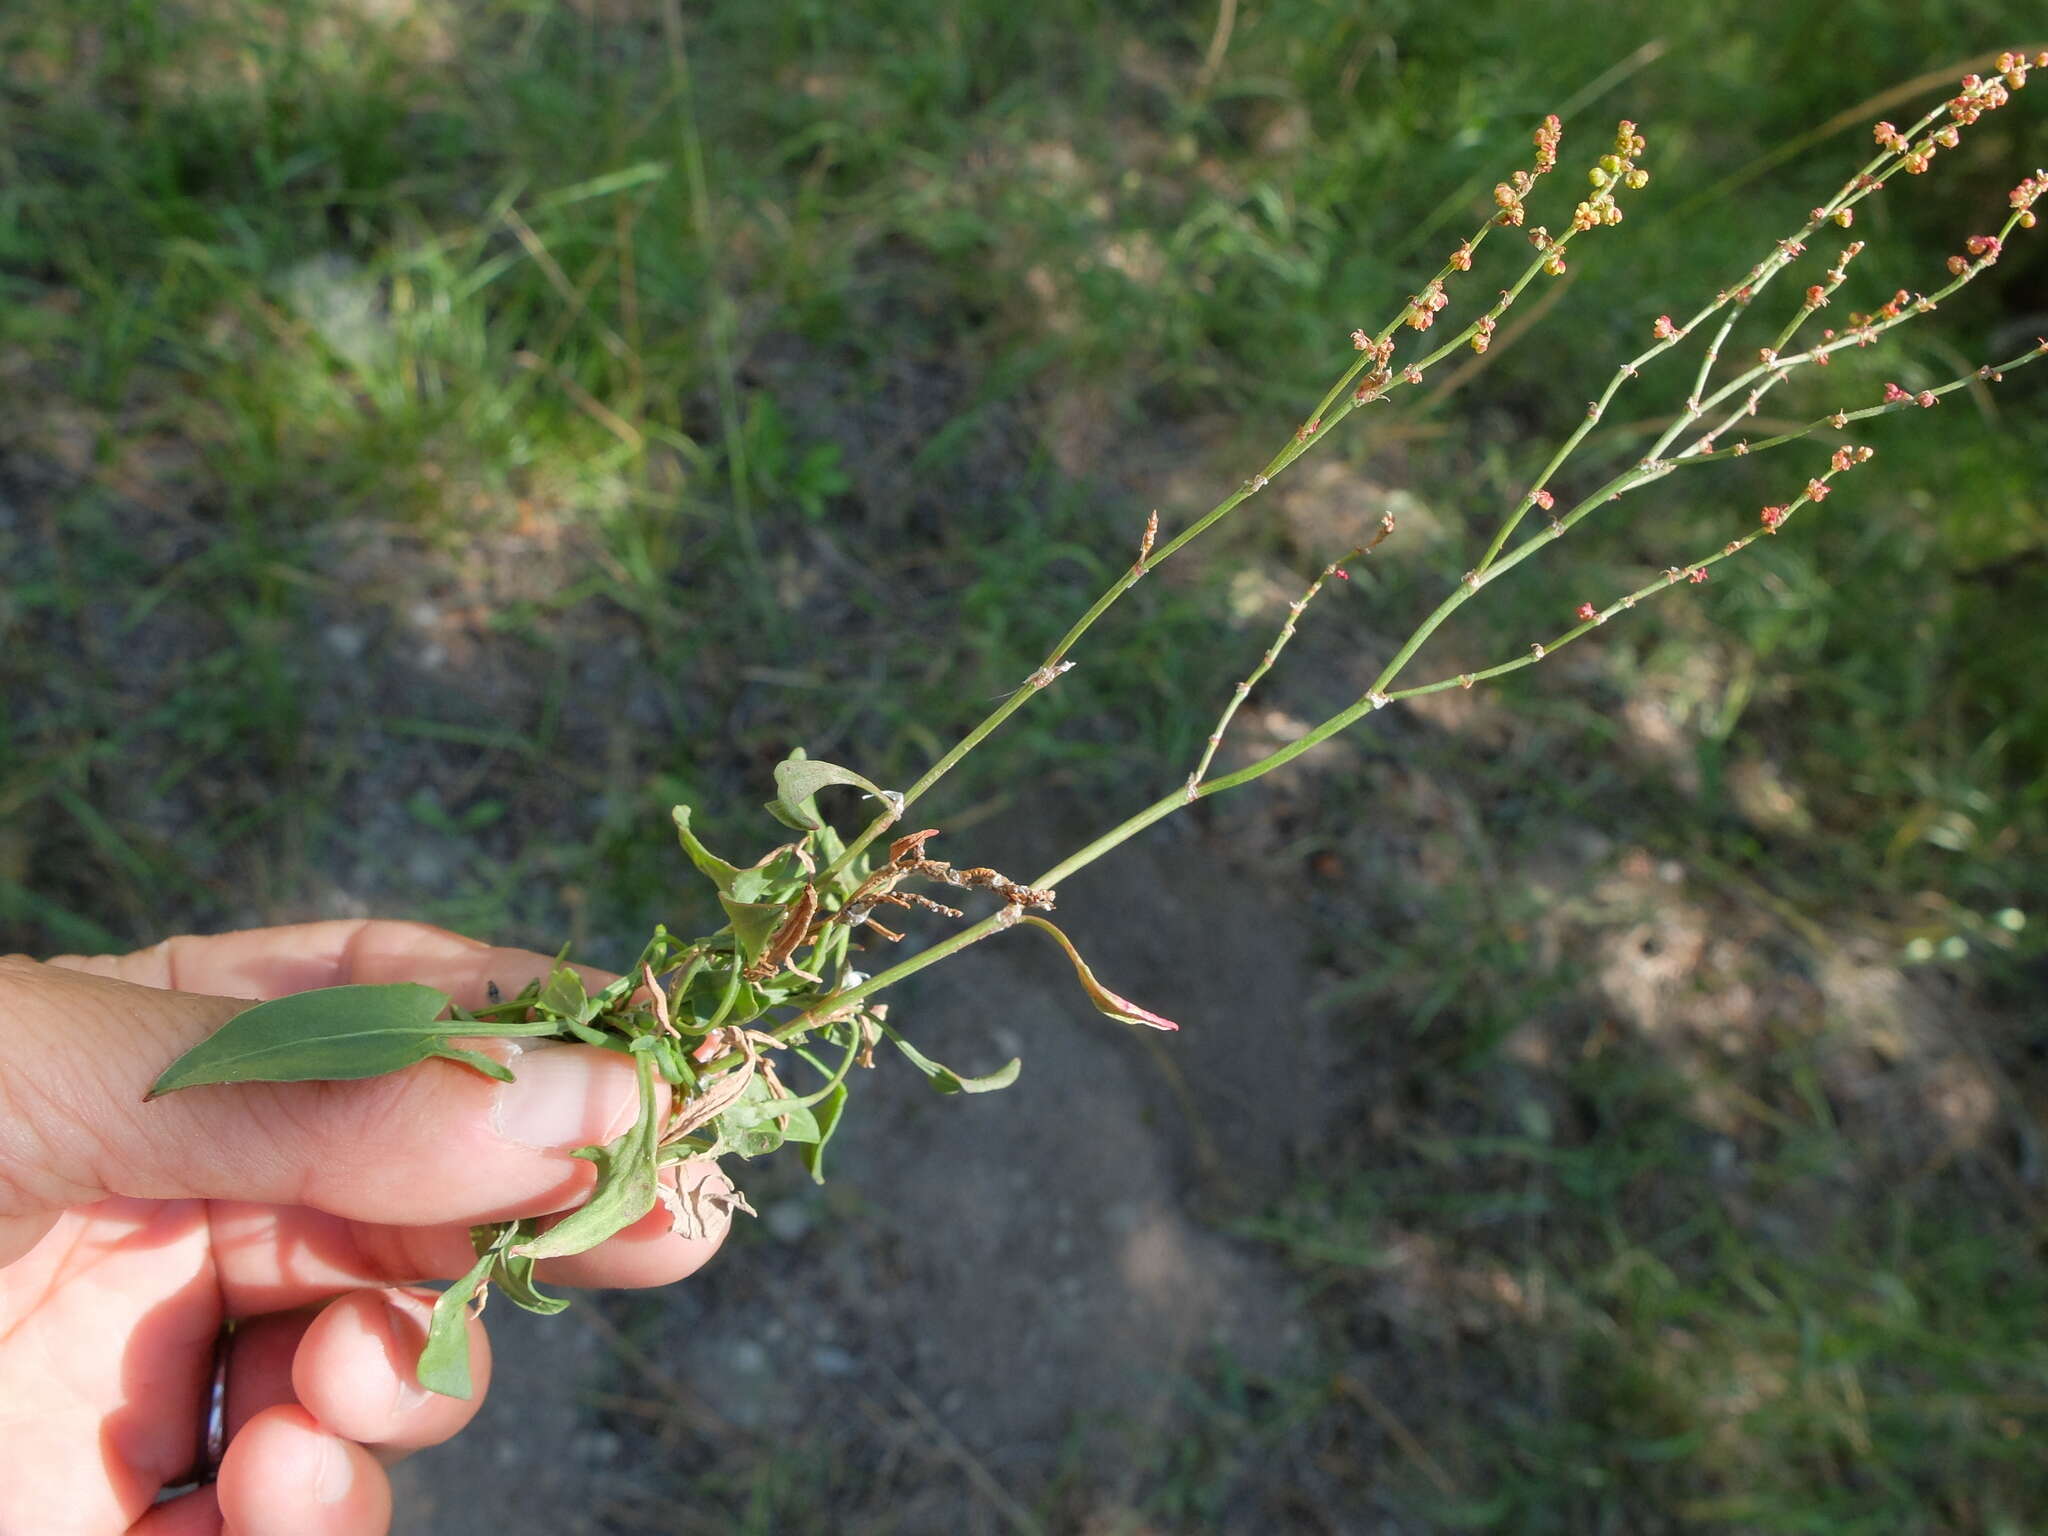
{"x":435,"y":1143}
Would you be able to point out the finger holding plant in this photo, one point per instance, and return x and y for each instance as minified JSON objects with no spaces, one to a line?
{"x":757,"y":1029}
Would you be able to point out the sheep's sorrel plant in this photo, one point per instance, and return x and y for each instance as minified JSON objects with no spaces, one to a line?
{"x":724,"y":1020}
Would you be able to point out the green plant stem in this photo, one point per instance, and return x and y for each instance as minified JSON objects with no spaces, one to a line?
{"x":1838,"y":419}
{"x":1496,"y":560}
{"x":1376,"y":697}
{"x":1244,"y":688}
{"x":1736,"y":300}
{"x":1332,"y":408}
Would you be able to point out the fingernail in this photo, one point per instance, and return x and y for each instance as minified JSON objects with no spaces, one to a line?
{"x":406,"y":1320}
{"x":334,"y":1473}
{"x":570,"y":1096}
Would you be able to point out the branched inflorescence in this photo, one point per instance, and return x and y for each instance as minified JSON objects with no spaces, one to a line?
{"x":703,"y":1016}
{"x":1710,"y":414}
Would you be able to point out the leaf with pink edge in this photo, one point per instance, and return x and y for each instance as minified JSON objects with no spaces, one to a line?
{"x":1108,"y":1003}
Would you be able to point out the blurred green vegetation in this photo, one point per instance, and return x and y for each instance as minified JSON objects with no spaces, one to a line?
{"x":440,"y":435}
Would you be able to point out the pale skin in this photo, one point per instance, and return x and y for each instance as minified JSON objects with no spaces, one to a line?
{"x":306,"y":1212}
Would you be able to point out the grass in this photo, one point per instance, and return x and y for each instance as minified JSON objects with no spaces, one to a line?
{"x":442,"y":436}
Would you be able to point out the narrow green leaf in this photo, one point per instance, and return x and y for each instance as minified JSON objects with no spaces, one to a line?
{"x":946,"y":1080}
{"x":1106,"y":1002}
{"x":827,"y":1115}
{"x":330,"y":1034}
{"x":476,"y":1059}
{"x":444,"y":1362}
{"x":625,"y":1183}
{"x":622,"y":180}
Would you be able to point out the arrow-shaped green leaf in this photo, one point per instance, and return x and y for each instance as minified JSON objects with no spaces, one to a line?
{"x":946,"y":1080}
{"x":798,"y":778}
{"x":336,"y":1033}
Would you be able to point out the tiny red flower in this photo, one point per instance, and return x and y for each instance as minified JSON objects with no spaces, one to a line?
{"x":1586,"y":611}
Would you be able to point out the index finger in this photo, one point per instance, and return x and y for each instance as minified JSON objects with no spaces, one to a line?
{"x":274,"y":962}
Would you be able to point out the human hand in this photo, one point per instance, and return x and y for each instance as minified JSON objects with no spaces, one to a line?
{"x":130,"y":1232}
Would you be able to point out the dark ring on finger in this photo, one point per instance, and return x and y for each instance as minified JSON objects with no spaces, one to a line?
{"x":213,"y":1421}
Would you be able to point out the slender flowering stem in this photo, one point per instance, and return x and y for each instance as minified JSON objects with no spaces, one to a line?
{"x":1341,"y":399}
{"x":1735,"y":300}
{"x":1294,"y":612}
{"x":1990,"y":372}
{"x":1906,"y":151}
{"x":1379,"y":696}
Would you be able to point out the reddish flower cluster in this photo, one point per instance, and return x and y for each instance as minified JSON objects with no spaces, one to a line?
{"x":1816,"y":297}
{"x":1543,"y":499}
{"x":1980,"y":96}
{"x":1817,"y":490}
{"x":1893,"y":394}
{"x":1772,"y":517}
{"x":1846,"y":455}
{"x":2024,"y":195}
{"x":1422,"y":309}
{"x":1461,"y":258}
{"x":1664,"y":330}
{"x":1977,"y":97}
{"x":1372,"y":386}
{"x":1482,"y":337}
{"x":1585,"y":611}
{"x":1617,"y":169}
{"x":1696,"y":575}
{"x":1985,"y":248}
